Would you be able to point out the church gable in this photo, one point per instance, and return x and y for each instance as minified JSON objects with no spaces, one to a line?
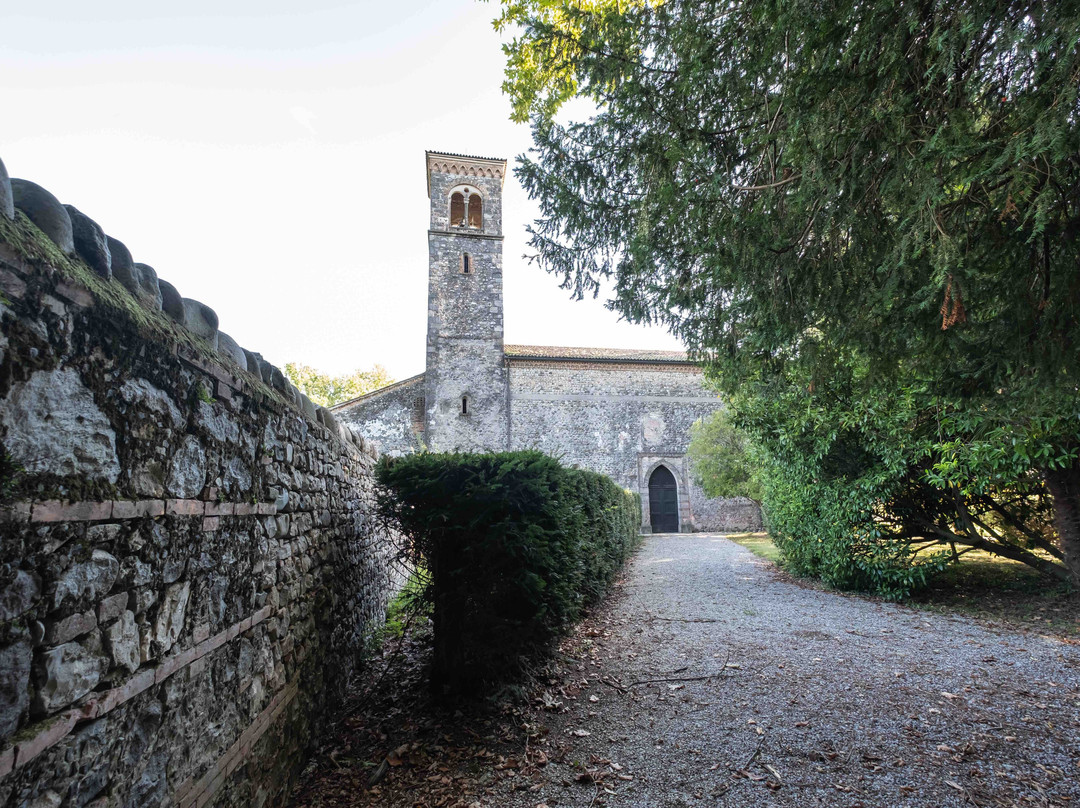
{"x":391,"y":418}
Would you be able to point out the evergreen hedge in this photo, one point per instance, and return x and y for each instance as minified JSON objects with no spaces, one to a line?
{"x":517,"y":546}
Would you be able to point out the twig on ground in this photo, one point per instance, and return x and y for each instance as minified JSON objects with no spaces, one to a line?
{"x":723,"y":669}
{"x":753,"y":757}
{"x":596,"y":793}
{"x":614,"y":686}
{"x":624,"y":688}
{"x":379,"y":773}
{"x":678,"y":679}
{"x":686,"y":619}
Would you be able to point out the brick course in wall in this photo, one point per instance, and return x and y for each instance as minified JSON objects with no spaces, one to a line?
{"x":189,"y":567}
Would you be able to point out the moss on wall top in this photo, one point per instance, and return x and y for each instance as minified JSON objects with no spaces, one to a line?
{"x":37,"y":250}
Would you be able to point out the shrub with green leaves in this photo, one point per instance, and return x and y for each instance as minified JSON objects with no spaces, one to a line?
{"x":517,"y":546}
{"x":864,"y":218}
{"x":870,"y":485}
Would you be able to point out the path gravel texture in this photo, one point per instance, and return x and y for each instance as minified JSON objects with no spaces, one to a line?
{"x":778,"y":694}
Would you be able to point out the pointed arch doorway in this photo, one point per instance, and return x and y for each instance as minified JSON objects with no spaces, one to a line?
{"x":663,"y":501}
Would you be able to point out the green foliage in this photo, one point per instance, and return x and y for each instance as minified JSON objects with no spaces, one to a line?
{"x":863,"y":217}
{"x":759,"y":544}
{"x":516,"y":545}
{"x":540,"y":70}
{"x":327,"y":391}
{"x":722,"y":458}
{"x":412,"y":602}
{"x":860,"y":479}
{"x":10,"y":472}
{"x":203,"y":394}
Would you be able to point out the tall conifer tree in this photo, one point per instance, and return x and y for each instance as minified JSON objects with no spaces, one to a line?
{"x":865,"y":215}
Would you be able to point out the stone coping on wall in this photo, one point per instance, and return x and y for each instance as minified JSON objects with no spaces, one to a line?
{"x":60,"y":238}
{"x":227,"y":381}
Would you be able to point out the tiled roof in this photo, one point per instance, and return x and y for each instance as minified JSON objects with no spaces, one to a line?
{"x":466,"y":156}
{"x":556,"y":352}
{"x":586,"y":354}
{"x":387,"y":388}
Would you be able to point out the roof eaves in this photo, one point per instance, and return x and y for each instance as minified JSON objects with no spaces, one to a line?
{"x":466,"y":156}
{"x":567,"y":353}
{"x":601,"y":360}
{"x":427,"y":157}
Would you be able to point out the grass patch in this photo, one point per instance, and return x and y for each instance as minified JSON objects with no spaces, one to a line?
{"x":411,"y":607}
{"x":980,"y":585}
{"x":757,"y":543}
{"x":986,"y":586}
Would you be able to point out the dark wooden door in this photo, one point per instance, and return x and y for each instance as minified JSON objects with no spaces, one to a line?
{"x":663,"y":502}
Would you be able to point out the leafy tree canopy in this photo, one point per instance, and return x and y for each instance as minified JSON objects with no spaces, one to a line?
{"x":865,"y":216}
{"x":722,"y":458}
{"x":326,"y":390}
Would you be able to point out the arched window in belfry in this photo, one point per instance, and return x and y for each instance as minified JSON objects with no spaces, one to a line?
{"x":466,"y":208}
{"x":457,"y":209}
{"x":476,"y":211}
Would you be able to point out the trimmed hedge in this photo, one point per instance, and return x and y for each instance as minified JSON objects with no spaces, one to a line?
{"x":517,"y":546}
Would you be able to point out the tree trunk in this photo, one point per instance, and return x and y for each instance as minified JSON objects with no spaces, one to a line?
{"x":999,"y":548}
{"x":1064,"y":487}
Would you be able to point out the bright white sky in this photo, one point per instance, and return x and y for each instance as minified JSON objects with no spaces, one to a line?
{"x":267,"y":158}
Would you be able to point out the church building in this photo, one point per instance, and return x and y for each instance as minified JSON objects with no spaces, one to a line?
{"x":625,"y":413}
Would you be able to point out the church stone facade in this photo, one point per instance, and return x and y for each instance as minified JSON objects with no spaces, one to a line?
{"x":624,"y":413}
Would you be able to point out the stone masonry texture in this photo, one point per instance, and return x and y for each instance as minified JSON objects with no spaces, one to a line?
{"x":465,"y":320}
{"x":622,"y":420}
{"x":189,"y":566}
{"x":619,"y":413}
{"x":392,"y":419}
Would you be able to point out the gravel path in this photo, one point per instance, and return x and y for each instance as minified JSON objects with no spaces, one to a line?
{"x":778,"y":694}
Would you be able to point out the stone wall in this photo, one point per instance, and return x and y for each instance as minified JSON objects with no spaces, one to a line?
{"x":390,"y":419}
{"x":723,"y":515}
{"x":189,"y":569}
{"x":622,"y":419}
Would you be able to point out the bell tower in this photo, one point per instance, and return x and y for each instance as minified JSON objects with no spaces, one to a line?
{"x":466,"y":379}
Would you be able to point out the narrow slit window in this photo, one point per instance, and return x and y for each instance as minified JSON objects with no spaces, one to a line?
{"x":466,"y":264}
{"x":418,"y":415}
{"x":464,"y":405}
